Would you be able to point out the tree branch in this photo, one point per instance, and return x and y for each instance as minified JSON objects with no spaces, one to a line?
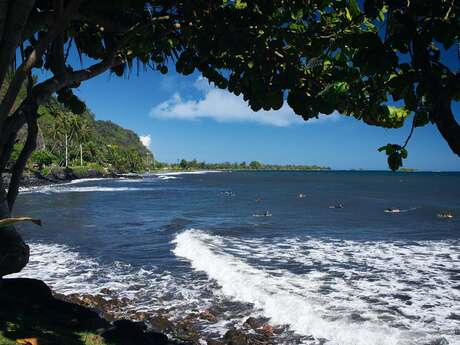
{"x":3,"y":12}
{"x":18,"y":168}
{"x":23,"y":70}
{"x":44,"y":90}
{"x":16,"y":19}
{"x":447,"y":125}
{"x":13,"y":124}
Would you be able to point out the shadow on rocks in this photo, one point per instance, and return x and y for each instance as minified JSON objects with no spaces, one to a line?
{"x":28,"y":309}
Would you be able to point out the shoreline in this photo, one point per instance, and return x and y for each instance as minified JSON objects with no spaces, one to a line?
{"x":57,"y":319}
{"x":186,"y":329}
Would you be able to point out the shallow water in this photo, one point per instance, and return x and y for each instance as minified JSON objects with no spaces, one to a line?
{"x":353,"y":275}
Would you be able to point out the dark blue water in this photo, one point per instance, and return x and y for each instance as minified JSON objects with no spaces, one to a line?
{"x":199,"y":240}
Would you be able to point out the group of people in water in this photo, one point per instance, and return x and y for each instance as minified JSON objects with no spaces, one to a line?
{"x":339,"y":205}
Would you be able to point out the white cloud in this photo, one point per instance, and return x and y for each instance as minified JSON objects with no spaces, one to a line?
{"x":224,"y":106}
{"x":146,"y":140}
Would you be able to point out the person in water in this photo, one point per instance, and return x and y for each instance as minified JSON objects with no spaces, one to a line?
{"x":339,"y":205}
{"x":393,"y":210}
{"x":445,"y":215}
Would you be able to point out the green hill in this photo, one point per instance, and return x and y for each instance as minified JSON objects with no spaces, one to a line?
{"x":92,"y":141}
{"x":89,"y":142}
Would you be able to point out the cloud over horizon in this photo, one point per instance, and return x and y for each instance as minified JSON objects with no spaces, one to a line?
{"x":146,"y":140}
{"x":223,"y":106}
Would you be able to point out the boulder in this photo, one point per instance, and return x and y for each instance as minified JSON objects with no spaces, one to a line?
{"x":185,"y":330}
{"x":161,"y":324}
{"x":24,"y":291}
{"x":235,"y":337}
{"x":254,"y":323}
{"x":439,"y":341}
{"x":214,"y":342}
{"x":129,"y":332}
{"x":14,"y":253}
{"x":208,"y":316}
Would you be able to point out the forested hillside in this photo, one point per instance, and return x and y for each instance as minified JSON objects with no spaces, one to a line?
{"x":90,"y":142}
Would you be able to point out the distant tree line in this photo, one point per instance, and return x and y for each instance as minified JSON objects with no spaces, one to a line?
{"x":253,"y":165}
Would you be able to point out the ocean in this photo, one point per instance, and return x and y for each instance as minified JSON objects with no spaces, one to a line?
{"x":314,"y":253}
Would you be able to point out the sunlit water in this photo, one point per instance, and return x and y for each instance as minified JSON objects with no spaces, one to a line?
{"x":352,"y":276}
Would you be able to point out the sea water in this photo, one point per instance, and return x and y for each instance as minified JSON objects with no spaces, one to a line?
{"x":184,"y":242}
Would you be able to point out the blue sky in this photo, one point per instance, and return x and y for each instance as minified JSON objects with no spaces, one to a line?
{"x":185,"y":117}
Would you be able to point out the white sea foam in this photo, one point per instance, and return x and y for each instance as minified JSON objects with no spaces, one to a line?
{"x":166,"y":177}
{"x":93,"y":179}
{"x":61,"y":188}
{"x":197,"y":172}
{"x":66,"y":272}
{"x":350,"y":293}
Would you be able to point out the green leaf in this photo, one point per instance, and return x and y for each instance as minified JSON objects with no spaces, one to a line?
{"x":394,"y":161}
{"x":404,"y":153}
{"x":240,"y":5}
{"x":353,"y":7}
{"x":348,"y":14}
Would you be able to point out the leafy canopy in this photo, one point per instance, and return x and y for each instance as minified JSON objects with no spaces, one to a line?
{"x":379,"y":61}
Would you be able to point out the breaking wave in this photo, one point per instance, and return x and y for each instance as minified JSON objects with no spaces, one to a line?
{"x":347,"y":292}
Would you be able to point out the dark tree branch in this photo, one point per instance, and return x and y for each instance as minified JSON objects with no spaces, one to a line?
{"x":447,"y":125}
{"x":6,"y":150}
{"x":40,"y":94}
{"x":438,"y":94}
{"x":410,"y":134}
{"x":16,"y":18}
{"x":3,"y":12}
{"x":42,"y":91}
{"x":23,"y":70}
{"x":18,"y":168}
{"x":13,"y":124}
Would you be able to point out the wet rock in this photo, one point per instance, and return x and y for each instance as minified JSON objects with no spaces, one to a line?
{"x":439,"y":341}
{"x":214,"y":342}
{"x":161,"y":324}
{"x":14,"y":253}
{"x":266,"y":330}
{"x":130,"y":326}
{"x":279,"y":329}
{"x":139,"y":316}
{"x":109,"y":308}
{"x":254,"y":323}
{"x":28,"y":291}
{"x":404,"y":313}
{"x":208,"y":316}
{"x":106,"y":291}
{"x":235,"y":337}
{"x":129,"y":332}
{"x":185,"y":330}
{"x":402,"y":297}
{"x":454,"y":316}
{"x":357,"y":317}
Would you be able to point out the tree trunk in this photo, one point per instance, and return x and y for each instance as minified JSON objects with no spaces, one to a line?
{"x":448,"y":126}
{"x":14,"y":253}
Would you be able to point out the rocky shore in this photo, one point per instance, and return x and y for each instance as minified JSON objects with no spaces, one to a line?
{"x":64,"y":175}
{"x":30,"y":314}
{"x":184,"y":330}
{"x":29,"y":310}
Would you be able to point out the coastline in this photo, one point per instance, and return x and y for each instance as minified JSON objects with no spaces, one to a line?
{"x":57,"y":319}
{"x":183,"y":330}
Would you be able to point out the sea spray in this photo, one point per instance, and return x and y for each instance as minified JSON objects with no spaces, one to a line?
{"x":276,"y":296}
